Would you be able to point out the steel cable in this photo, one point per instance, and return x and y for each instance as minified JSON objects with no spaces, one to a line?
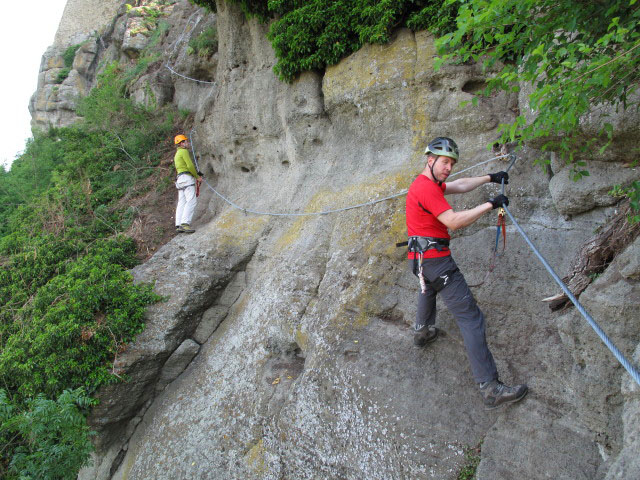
{"x":603,"y":336}
{"x":324,"y":212}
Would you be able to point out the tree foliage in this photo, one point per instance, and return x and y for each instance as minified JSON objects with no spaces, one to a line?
{"x":580,"y":57}
{"x":55,"y":437}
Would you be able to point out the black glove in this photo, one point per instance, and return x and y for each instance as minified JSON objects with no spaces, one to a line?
{"x":200,"y":174}
{"x":498,"y":177}
{"x":499,"y":201}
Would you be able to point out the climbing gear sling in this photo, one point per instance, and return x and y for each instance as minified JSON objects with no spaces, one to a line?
{"x":501,"y":225}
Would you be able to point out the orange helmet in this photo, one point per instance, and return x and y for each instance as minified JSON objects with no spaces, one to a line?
{"x":179,"y":138}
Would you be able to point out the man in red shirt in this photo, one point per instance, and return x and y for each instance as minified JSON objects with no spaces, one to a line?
{"x":429,"y":218}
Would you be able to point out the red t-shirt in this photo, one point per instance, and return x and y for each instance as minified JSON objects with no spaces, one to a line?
{"x":430,"y":195}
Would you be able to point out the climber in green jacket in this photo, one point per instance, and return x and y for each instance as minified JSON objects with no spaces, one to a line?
{"x":188,"y":179}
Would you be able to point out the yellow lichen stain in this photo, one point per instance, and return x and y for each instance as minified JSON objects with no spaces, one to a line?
{"x":364,"y":315}
{"x":392,"y":184}
{"x":302,"y":339}
{"x":256,"y":458}
{"x":292,"y":234}
{"x":233,"y":226}
{"x":419,"y":126}
{"x":425,"y":53}
{"x":55,"y":62}
{"x":372,"y":66}
{"x":385,"y":242}
{"x":382,"y":228}
{"x":372,"y":283}
{"x":373,"y":289}
{"x":365,"y":306}
{"x":321,"y":201}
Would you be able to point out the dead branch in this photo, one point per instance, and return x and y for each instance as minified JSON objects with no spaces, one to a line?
{"x":596,"y":255}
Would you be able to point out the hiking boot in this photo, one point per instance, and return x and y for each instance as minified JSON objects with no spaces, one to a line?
{"x":425,"y":334}
{"x":178,"y":229}
{"x":185,"y":228}
{"x":496,"y":393}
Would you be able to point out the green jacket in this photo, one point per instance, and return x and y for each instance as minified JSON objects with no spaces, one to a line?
{"x":184,"y":164}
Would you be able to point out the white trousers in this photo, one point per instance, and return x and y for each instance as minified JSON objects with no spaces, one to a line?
{"x":187,"y":200}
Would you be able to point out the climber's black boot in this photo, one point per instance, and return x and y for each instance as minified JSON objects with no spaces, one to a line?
{"x":425,"y":334}
{"x":496,"y":393}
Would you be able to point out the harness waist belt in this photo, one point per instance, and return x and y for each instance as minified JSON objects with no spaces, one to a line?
{"x":422,"y":244}
{"x":185,"y":173}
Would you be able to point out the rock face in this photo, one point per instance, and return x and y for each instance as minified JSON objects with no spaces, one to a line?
{"x":86,"y":24}
{"x":84,"y":17}
{"x":305,"y":366}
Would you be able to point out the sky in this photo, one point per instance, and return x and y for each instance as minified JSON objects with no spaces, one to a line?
{"x":24,"y":36}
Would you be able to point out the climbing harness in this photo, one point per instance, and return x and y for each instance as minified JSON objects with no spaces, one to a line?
{"x":186,"y":186}
{"x":419,"y":246}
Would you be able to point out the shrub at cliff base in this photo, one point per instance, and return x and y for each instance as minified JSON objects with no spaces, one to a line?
{"x":68,"y":305}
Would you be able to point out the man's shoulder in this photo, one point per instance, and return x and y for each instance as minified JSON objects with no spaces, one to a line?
{"x":422,"y":183}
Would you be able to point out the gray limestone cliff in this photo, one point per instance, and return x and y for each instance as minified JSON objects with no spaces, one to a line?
{"x":284,"y":348}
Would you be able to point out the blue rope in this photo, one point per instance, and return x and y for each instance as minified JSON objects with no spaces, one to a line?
{"x":603,"y":336}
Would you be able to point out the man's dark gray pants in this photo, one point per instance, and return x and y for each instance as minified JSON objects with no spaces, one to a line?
{"x":462,"y":305}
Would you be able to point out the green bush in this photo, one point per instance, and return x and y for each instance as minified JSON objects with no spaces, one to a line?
{"x":49,"y":439}
{"x":576,"y":66}
{"x":437,"y":16}
{"x":68,"y":333}
{"x":205,"y":44}
{"x":632,"y":192}
{"x":68,"y":305}
{"x":62,"y":75}
{"x":68,"y":57}
{"x":70,"y":54}
{"x":310,"y":35}
{"x":150,"y":15}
